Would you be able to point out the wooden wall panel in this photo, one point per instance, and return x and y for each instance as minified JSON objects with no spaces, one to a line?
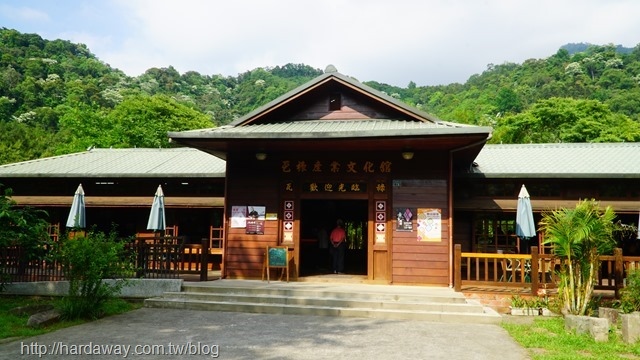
{"x":421,"y":262}
{"x":250,"y":185}
{"x":380,"y":259}
{"x":351,"y":109}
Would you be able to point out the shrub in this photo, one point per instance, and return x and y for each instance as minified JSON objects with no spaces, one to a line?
{"x":630,"y":294}
{"x":87,"y":261}
{"x":22,"y":227}
{"x":579,"y":236}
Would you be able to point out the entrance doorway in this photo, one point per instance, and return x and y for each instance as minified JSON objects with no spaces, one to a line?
{"x":317,"y":215}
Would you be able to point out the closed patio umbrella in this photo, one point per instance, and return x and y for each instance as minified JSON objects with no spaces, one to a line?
{"x":157,"y":220}
{"x":77,"y":218}
{"x":525,"y":226}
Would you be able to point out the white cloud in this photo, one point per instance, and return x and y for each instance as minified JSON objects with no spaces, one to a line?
{"x":429,"y":42}
{"x":23,"y":13}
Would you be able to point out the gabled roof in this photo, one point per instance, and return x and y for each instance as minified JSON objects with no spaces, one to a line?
{"x":274,"y":126}
{"x":562,"y":160}
{"x":346,"y":81}
{"x":145,"y":163}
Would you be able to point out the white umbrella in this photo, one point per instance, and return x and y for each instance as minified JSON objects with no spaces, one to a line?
{"x":157,"y":220}
{"x":525,"y":226}
{"x":77,"y":218}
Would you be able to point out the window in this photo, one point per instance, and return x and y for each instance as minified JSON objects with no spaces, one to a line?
{"x":493,"y":233}
{"x":335,"y":101}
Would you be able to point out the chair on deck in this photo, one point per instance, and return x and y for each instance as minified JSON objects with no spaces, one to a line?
{"x":509,"y":267}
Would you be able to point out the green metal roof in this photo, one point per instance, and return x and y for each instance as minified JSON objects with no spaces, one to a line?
{"x":566,"y":160}
{"x":333,"y":129}
{"x":562,"y":160}
{"x":175,"y":162}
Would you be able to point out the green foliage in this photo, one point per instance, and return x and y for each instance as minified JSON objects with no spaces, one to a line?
{"x":24,"y":227}
{"x":546,"y":338}
{"x":534,"y":302}
{"x":15,"y":326}
{"x":87,"y":261}
{"x":518,"y":301}
{"x":578,"y":237}
{"x":630,"y":294}
{"x":566,"y":120}
{"x":143,"y":121}
{"x":61,"y":93}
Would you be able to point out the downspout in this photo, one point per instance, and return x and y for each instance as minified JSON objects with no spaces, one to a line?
{"x":450,"y":200}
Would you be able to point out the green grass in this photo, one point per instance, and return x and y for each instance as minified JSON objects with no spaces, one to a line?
{"x":12,"y":326}
{"x":547,"y":339}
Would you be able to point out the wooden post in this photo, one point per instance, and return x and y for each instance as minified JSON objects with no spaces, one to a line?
{"x":139,"y":247}
{"x":618,"y":271}
{"x":535,"y":265}
{"x":204,"y":260}
{"x":457,"y":268}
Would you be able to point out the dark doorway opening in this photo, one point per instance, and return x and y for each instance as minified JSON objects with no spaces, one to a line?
{"x":318,"y":215}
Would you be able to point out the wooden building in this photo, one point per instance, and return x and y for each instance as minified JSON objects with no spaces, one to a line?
{"x":407,"y":185}
{"x":556,"y":176}
{"x":119,"y":186}
{"x":336,"y":149}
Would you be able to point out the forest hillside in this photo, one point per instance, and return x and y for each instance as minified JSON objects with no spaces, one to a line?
{"x":56,"y":97}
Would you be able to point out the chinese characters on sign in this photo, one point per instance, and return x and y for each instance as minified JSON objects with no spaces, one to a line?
{"x":341,"y":187}
{"x":347,"y":167}
{"x":429,"y":225}
{"x":255,"y":220}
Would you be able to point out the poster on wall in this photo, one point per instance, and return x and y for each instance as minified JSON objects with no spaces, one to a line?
{"x":255,"y":219}
{"x":404,"y":219}
{"x":238,"y":216}
{"x":430,"y":225}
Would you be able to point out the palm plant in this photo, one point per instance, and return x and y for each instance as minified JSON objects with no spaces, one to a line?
{"x":578,"y":237}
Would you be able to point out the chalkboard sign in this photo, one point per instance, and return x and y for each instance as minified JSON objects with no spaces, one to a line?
{"x":278,"y":256}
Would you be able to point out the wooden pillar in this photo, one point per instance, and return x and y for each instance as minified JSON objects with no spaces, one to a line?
{"x":457,"y":268}
{"x":204,"y":260}
{"x":618,"y":271}
{"x":535,"y":265}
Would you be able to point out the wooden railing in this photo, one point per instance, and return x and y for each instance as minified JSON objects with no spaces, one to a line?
{"x":532,"y":271}
{"x":154,"y":257}
{"x":169,"y":257}
{"x":15,"y":267}
{"x":503,"y":270}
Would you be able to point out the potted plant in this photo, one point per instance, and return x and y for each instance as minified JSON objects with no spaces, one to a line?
{"x":521,"y":306}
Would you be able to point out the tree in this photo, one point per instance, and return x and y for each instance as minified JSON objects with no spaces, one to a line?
{"x":508,"y":101}
{"x":578,"y":237}
{"x":566,"y":120}
{"x":23,"y":227}
{"x":144,"y":121}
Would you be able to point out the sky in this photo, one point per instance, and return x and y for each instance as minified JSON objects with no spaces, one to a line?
{"x":429,"y":42}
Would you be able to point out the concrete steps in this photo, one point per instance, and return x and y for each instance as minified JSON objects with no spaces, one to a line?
{"x":355,"y":300}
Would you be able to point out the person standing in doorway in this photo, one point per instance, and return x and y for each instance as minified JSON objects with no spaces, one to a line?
{"x":338,"y":237}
